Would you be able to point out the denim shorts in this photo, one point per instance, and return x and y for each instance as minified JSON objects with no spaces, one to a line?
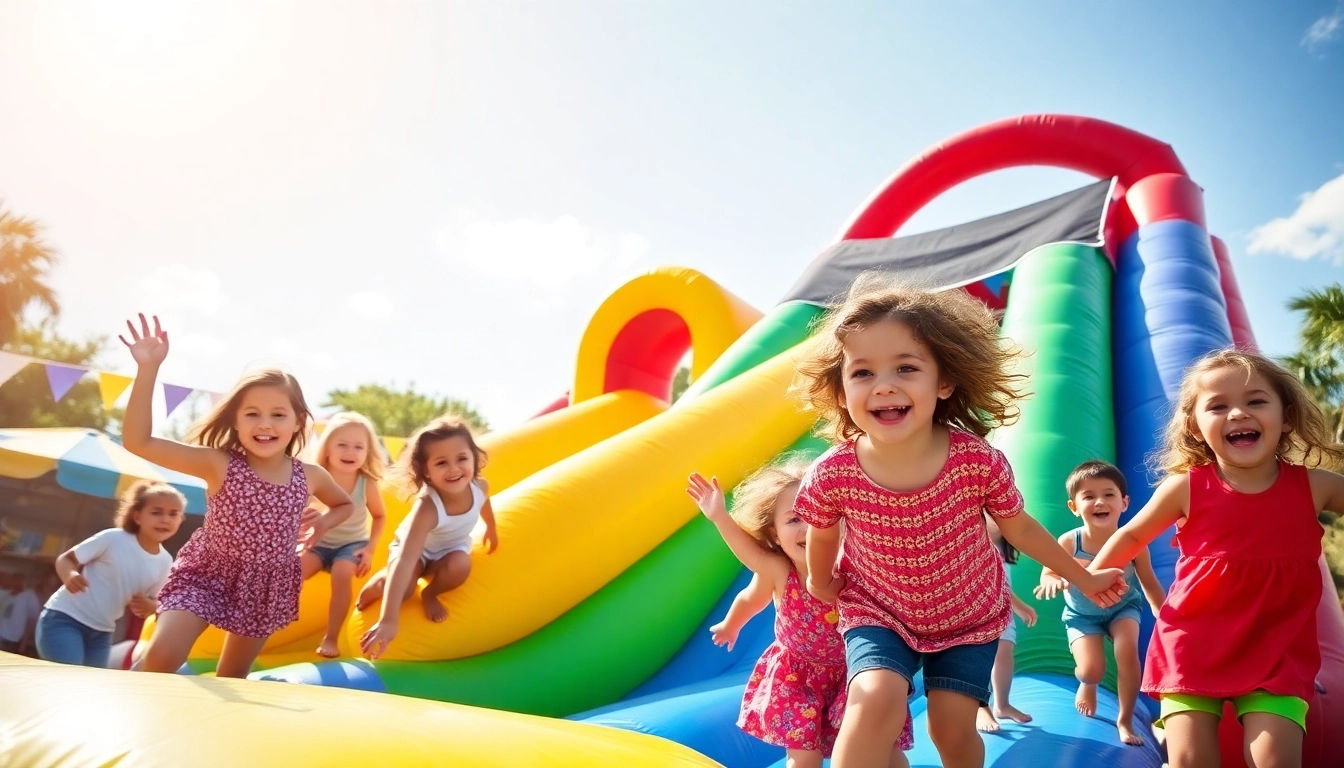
{"x":963,"y":669}
{"x":329,"y":555}
{"x":1079,"y":625}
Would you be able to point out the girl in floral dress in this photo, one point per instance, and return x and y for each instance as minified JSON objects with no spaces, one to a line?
{"x":241,"y":571}
{"x":795,"y":697}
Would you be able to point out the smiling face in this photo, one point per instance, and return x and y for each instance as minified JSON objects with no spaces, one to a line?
{"x":347,"y":448}
{"x":1099,"y":502}
{"x":1239,"y":415}
{"x":450,"y":465}
{"x":266,"y":421}
{"x":158,"y":518}
{"x":891,"y":381}
{"x":790,"y":530}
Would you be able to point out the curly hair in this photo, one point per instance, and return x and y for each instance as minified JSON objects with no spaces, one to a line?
{"x":1306,"y":438}
{"x":754,"y":500}
{"x":960,"y":331}
{"x":216,"y":430}
{"x":137,"y":496}
{"x":409,"y":473}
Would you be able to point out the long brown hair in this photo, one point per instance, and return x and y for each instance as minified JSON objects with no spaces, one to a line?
{"x":137,"y":496}
{"x":958,"y":329}
{"x":216,"y":430}
{"x":409,"y":473}
{"x":1306,"y":438}
{"x":754,"y":500}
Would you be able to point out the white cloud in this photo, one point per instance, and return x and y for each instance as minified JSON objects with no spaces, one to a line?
{"x":544,"y":258}
{"x":1324,"y":30}
{"x":1315,"y":229}
{"x":371,"y":305}
{"x":177,"y":286}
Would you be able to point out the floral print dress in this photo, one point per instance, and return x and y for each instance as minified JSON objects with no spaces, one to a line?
{"x":795,"y":697}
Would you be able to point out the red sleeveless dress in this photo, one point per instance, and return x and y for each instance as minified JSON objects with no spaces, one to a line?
{"x":1241,"y":614}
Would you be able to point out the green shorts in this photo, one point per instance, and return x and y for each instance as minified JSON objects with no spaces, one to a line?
{"x":1290,"y":707}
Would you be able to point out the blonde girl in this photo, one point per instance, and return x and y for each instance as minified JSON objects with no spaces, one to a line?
{"x":348,"y":450}
{"x":795,"y":697}
{"x":124,"y":566}
{"x":909,"y":383}
{"x":442,"y":463}
{"x":1242,"y":486}
{"x":240,"y":571}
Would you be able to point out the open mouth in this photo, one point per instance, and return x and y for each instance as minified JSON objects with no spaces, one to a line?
{"x":1102,"y":515}
{"x":890,"y":415}
{"x":265,"y":439}
{"x":1243,"y":438}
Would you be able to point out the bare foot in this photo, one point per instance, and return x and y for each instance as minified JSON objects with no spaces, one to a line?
{"x":370,"y":594}
{"x":1012,"y":713}
{"x":328,"y":649}
{"x":1086,"y":700}
{"x":1128,"y":736}
{"x":984,"y":720}
{"x":434,"y":610}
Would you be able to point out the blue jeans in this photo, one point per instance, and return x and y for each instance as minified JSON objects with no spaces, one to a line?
{"x":962,"y":669}
{"x":62,"y":639}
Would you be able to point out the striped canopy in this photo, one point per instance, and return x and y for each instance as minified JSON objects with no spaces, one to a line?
{"x":87,"y":461}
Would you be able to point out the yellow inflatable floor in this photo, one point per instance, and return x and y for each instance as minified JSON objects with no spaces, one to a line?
{"x":165,"y":721}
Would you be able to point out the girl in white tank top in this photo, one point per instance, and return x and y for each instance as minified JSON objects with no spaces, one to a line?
{"x":442,"y":463}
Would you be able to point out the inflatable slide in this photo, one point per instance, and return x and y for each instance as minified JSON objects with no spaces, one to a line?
{"x":595,"y":608}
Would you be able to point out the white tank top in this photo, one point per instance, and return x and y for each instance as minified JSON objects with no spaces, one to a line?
{"x":450,"y":532}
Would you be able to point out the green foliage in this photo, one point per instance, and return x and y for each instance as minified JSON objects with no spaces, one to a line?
{"x":399,"y":413}
{"x":25,"y":400}
{"x":25,"y":262}
{"x":680,"y":382}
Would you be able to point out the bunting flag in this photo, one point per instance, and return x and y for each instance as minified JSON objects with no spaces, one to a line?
{"x":319,"y":427}
{"x":111,"y":386}
{"x":173,"y":396}
{"x":61,"y":378}
{"x":11,"y":364}
{"x":394,"y":446}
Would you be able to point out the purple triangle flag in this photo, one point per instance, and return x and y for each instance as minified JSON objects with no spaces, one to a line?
{"x":61,"y":378}
{"x":173,"y":396}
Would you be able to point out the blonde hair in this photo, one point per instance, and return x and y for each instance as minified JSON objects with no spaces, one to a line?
{"x":137,"y":496}
{"x":755,"y":498}
{"x":409,"y":473}
{"x":374,"y":463}
{"x":216,"y":430}
{"x":959,"y":330}
{"x":1306,"y":438}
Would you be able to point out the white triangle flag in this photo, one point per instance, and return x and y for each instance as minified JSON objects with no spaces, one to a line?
{"x":11,"y":364}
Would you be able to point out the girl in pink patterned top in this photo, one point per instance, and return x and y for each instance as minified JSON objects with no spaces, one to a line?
{"x":795,"y":697}
{"x":910,"y":382}
{"x":240,"y":572}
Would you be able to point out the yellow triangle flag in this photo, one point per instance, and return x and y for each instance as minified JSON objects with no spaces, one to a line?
{"x":112,"y":385}
{"x":319,"y":427}
{"x":394,"y":446}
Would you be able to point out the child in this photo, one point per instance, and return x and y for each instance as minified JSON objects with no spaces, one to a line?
{"x":442,"y":463}
{"x":348,"y":451}
{"x":910,"y":382}
{"x":1001,"y":676}
{"x":1240,"y":621}
{"x":240,"y":571}
{"x":1097,"y":494}
{"x":795,"y":697}
{"x":125,"y":565}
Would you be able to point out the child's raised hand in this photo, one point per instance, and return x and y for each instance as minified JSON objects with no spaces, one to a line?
{"x":708,"y":496}
{"x":375,"y":641}
{"x":723,"y":635}
{"x":1051,"y":585}
{"x":147,"y":348}
{"x":1105,"y":588}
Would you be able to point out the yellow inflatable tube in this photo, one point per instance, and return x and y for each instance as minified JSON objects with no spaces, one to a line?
{"x":71,"y":717}
{"x":573,"y":527}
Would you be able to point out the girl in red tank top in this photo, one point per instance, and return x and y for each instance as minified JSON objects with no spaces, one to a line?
{"x":1239,"y":623}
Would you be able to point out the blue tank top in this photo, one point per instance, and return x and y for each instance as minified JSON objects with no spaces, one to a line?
{"x":1078,"y":602}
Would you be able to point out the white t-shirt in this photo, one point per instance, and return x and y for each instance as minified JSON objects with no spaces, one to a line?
{"x":21,"y":609}
{"x":116,"y":567}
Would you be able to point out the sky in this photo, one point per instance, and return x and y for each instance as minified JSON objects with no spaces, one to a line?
{"x":439,"y":195}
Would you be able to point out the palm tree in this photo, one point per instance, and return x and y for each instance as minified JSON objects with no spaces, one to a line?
{"x":25,"y":263}
{"x":1321,"y":349}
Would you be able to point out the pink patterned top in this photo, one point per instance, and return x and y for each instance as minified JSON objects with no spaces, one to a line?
{"x":919,"y":563}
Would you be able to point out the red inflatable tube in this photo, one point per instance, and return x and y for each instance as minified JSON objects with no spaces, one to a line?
{"x":645,"y":353}
{"x":1237,"y":316}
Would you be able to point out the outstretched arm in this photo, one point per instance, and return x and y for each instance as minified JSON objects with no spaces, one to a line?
{"x":381,"y":634}
{"x":333,"y":497}
{"x":708,"y":496}
{"x":1152,"y":588}
{"x":150,"y":349}
{"x":1031,"y":539}
{"x":1052,"y":583}
{"x":1164,"y":509}
{"x":750,"y":601}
